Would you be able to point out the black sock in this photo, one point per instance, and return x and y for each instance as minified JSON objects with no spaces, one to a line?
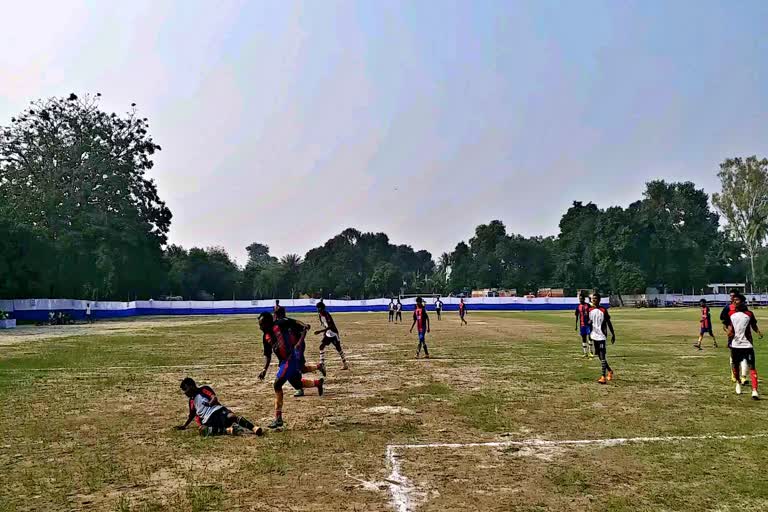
{"x":605,"y":365}
{"x":244,"y":423}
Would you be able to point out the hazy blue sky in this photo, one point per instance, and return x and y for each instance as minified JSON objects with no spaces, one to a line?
{"x":286,"y":122}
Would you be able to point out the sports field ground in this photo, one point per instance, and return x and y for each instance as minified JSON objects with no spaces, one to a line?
{"x":89,"y":414}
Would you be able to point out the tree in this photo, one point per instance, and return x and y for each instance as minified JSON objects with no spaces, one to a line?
{"x":743,"y":201}
{"x":76,"y":177}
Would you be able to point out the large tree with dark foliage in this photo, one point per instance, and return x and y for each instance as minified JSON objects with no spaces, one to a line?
{"x":73,"y":179}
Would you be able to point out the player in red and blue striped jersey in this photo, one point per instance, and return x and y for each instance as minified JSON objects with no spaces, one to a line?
{"x":281,"y":337}
{"x":582,"y":325}
{"x":421,"y":321}
{"x":705,"y":324}
{"x":462,"y":312}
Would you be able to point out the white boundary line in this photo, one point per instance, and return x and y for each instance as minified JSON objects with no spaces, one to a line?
{"x":401,"y":489}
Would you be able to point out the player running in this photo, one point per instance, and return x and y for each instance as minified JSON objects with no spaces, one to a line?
{"x":599,"y":322}
{"x":462,"y":312}
{"x":724,"y":314}
{"x":391,"y":310}
{"x":705,"y":325}
{"x":399,"y":311}
{"x":330,"y":337}
{"x":582,"y":325}
{"x":439,"y":308}
{"x":740,"y":323}
{"x":421,"y":320}
{"x":281,"y":337}
{"x":212,"y":418}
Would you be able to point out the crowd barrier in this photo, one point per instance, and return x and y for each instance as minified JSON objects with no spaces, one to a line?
{"x":39,"y":309}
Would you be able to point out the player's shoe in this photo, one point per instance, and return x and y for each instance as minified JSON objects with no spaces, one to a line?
{"x":743,"y":379}
{"x":714,"y":344}
{"x":344,"y":367}
{"x":755,"y":396}
{"x":299,"y":393}
{"x":610,"y":376}
{"x":591,"y":355}
{"x":321,"y":368}
{"x":320,"y":384}
{"x":698,"y":346}
{"x":426,"y":356}
{"x":258,"y":431}
{"x":276,"y":423}
{"x":418,"y":355}
{"x":602,"y":380}
{"x":733,"y":379}
{"x":738,"y":388}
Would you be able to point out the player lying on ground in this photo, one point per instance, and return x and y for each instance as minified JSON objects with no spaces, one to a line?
{"x":582,"y":325}
{"x":331,"y":336}
{"x":281,"y":337}
{"x":462,"y":311}
{"x":212,"y":418}
{"x":299,"y":349}
{"x":740,"y":323}
{"x":599,"y":323}
{"x":421,"y":320}
{"x":705,"y":325}
{"x":724,"y":319}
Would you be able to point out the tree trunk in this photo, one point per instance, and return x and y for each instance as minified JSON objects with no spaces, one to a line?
{"x":752,"y":264}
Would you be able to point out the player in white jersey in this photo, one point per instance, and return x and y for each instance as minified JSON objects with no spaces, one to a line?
{"x":439,"y":308}
{"x":740,"y":323}
{"x":391,"y":317}
{"x":600,"y":323}
{"x":212,"y":418}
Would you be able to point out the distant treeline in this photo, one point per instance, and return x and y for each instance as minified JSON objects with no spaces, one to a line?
{"x":80,"y":219}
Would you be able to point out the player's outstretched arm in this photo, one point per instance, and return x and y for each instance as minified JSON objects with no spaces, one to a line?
{"x":190,"y":417}
{"x":610,"y":326}
{"x":267,"y":360}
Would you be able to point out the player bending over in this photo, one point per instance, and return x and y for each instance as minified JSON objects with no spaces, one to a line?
{"x":582,"y":325}
{"x":299,"y":349}
{"x":330,"y":337}
{"x":740,"y":323}
{"x":462,"y":312}
{"x":421,"y":320}
{"x":281,"y":337}
{"x":705,"y":325}
{"x":599,"y":323}
{"x":439,"y":308}
{"x":212,"y":418}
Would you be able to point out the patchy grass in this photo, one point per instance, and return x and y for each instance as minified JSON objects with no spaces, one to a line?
{"x":92,"y":412}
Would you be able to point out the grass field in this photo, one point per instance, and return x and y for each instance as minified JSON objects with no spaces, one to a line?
{"x":88,"y":419}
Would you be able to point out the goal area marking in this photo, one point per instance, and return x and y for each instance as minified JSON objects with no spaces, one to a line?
{"x":402,"y":490}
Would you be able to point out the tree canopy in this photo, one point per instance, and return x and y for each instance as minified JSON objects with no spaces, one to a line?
{"x":79,"y":217}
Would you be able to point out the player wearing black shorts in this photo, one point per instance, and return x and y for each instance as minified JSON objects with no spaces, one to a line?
{"x":599,"y":323}
{"x":331,"y":336}
{"x":399,"y":311}
{"x":740,"y":324}
{"x":212,"y":418}
{"x":439,"y":308}
{"x":391,"y":307}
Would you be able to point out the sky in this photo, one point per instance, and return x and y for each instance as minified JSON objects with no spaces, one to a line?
{"x":287,"y":122}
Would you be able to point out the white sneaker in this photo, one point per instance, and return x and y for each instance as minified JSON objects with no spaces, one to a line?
{"x":755,"y":396}
{"x":738,"y":388}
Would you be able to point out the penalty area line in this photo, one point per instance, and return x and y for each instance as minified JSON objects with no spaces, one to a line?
{"x":403,"y":492}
